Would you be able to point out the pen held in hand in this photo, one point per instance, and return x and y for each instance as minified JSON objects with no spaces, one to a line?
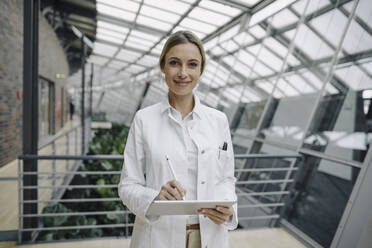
{"x":173,"y":173}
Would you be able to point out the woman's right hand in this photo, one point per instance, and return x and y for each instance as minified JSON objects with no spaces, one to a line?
{"x":173,"y":190}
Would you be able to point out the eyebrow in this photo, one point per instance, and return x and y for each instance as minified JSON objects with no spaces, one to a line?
{"x":188,"y":60}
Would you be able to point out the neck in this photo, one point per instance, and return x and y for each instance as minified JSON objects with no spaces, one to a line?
{"x":184,"y":104}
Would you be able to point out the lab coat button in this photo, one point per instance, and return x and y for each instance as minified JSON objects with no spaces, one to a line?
{"x":202,"y":152}
{"x":202,"y":182}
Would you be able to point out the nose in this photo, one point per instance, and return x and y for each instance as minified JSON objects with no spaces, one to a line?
{"x":182,"y":72}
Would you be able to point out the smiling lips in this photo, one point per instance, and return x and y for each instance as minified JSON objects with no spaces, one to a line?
{"x":181,"y":83}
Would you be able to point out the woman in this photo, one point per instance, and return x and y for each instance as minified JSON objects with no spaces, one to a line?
{"x":191,"y":138}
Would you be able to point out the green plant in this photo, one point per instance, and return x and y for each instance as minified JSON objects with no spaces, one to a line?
{"x":104,"y":142}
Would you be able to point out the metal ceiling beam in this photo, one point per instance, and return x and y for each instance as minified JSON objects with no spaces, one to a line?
{"x":312,"y":16}
{"x":236,"y":20}
{"x":116,"y":59}
{"x":127,"y":24}
{"x":315,"y":31}
{"x":243,"y":78}
{"x":127,"y":47}
{"x":126,"y":36}
{"x":352,"y":58}
{"x":290,"y":26}
{"x":306,"y":61}
{"x":192,"y":6}
{"x":233,"y":4}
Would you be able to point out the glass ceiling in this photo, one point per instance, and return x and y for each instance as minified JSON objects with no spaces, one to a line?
{"x":254,"y":48}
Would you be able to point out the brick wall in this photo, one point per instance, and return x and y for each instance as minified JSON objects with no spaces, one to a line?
{"x":11,"y":56}
{"x":52,"y":60}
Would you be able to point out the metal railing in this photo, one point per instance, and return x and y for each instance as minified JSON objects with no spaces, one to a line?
{"x":263,"y":183}
{"x":69,"y":138}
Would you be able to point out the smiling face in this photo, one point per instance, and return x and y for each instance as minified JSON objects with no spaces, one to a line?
{"x":182,"y":68}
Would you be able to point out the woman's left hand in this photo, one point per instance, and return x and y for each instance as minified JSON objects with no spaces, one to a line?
{"x":219,"y":215}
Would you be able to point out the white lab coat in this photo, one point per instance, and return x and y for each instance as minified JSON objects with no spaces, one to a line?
{"x":155,"y":134}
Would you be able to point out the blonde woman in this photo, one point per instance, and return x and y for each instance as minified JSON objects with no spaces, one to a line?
{"x":196,"y":140}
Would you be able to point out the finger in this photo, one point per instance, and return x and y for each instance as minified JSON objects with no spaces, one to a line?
{"x":166,"y":194}
{"x":178,"y":186}
{"x":169,"y":196}
{"x":162,"y":198}
{"x":216,"y":214}
{"x":225,"y":210}
{"x":173,"y":191}
{"x":215,"y":219}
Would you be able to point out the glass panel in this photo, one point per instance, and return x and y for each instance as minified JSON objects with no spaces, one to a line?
{"x":358,"y":39}
{"x":226,"y":10}
{"x":97,"y":60}
{"x":116,"y":12}
{"x":363,"y":10}
{"x":257,"y":32}
{"x":209,"y":16}
{"x":148,"y":61}
{"x":321,"y":197}
{"x":314,"y":5}
{"x":115,"y":34}
{"x":297,"y":90}
{"x":310,"y":43}
{"x":117,"y":64}
{"x":271,"y":60}
{"x":288,"y":128}
{"x":111,"y":27}
{"x":156,"y":13}
{"x":153,"y":23}
{"x":127,"y":55}
{"x":135,"y":68}
{"x":197,"y":25}
{"x":103,"y":49}
{"x":129,"y":5}
{"x":284,"y":18}
{"x":341,"y":126}
{"x":329,"y":25}
{"x":251,"y":116}
{"x":104,"y":38}
{"x":140,"y":45}
{"x":144,"y":36}
{"x":175,"y":6}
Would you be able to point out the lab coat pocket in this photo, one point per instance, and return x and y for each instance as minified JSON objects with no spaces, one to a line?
{"x":221,"y":162}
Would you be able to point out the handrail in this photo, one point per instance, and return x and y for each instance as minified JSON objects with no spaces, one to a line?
{"x":71,"y":157}
{"x":49,"y":142}
{"x":120,"y":157}
{"x":264,"y":156}
{"x":266,"y":209}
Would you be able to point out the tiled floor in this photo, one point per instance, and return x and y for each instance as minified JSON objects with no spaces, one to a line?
{"x":259,"y":238}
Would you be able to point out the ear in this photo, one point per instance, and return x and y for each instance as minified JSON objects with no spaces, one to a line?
{"x":162,"y":69}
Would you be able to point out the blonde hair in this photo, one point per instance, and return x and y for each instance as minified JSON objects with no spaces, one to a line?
{"x":182,"y":37}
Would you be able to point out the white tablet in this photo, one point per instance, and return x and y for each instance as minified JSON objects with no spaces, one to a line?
{"x":184,"y":207}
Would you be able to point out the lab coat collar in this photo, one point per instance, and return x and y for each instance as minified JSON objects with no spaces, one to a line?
{"x":197,"y":107}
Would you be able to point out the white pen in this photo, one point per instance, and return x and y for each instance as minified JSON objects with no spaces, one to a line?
{"x":172,"y":171}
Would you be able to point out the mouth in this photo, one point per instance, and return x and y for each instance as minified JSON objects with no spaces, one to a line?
{"x":182,"y":83}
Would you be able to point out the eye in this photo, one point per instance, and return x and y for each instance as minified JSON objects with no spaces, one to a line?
{"x":193,"y":64}
{"x":173,"y":62}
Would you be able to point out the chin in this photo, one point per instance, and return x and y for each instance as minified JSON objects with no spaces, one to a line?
{"x":181,"y":92}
